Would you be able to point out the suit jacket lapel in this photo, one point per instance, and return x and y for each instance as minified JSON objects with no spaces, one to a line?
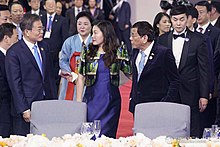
{"x":136,"y":51}
{"x":208,"y":30}
{"x":170,"y":40}
{"x":149,"y":59}
{"x":29,"y":54}
{"x":55,"y":21}
{"x":184,"y":51}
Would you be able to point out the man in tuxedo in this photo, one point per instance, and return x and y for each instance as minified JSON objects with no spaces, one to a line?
{"x":8,"y":36}
{"x":215,"y":13}
{"x":71,"y":16}
{"x":35,"y":8}
{"x":29,"y":73}
{"x":55,"y":34}
{"x":154,"y":72}
{"x":192,"y":59}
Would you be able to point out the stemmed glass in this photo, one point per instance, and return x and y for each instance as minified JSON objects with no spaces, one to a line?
{"x":87,"y":129}
{"x":207,"y":133}
{"x":96,"y":128}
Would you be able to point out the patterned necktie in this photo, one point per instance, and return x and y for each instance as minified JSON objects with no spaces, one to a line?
{"x":49,"y":24}
{"x":19,"y":32}
{"x":37,"y":58}
{"x":141,"y":64}
{"x":200,"y":30}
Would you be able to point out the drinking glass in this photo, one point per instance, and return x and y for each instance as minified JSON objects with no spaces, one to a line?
{"x":96,"y":128}
{"x":87,"y":129}
{"x":214,"y":131}
{"x":207,"y":133}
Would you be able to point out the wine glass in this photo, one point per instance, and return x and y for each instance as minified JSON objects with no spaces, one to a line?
{"x":87,"y":129}
{"x":96,"y":128}
{"x":207,"y":133}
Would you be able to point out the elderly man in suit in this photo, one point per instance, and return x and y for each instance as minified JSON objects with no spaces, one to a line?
{"x":192,"y":59}
{"x":8,"y":36}
{"x":29,"y":73}
{"x":55,"y":34}
{"x":155,"y":77}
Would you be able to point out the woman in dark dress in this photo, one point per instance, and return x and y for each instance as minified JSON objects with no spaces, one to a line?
{"x":99,"y":71}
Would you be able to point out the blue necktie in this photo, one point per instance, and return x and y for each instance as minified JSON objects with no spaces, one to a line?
{"x":49,"y":24}
{"x":37,"y":58}
{"x":141,"y":64}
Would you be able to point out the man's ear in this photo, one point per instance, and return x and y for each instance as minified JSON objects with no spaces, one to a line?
{"x":144,"y":39}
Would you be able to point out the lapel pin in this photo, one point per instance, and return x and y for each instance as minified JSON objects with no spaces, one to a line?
{"x":151,"y":56}
{"x":42,"y":49}
{"x":186,"y":39}
{"x":56,"y":20}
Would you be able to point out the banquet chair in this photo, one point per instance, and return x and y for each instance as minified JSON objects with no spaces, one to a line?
{"x":56,"y":118}
{"x":162,"y":119}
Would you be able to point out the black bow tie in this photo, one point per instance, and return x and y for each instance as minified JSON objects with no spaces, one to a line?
{"x":175,"y":36}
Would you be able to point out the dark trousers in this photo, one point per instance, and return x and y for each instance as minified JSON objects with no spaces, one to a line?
{"x":124,"y":36}
{"x":5,"y":118}
{"x":20,"y":127}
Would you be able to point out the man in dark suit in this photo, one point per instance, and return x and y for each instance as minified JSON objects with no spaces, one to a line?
{"x":71,"y":16}
{"x":121,"y":21}
{"x":192,"y":59}
{"x":35,"y":8}
{"x":55,"y":34}
{"x":154,"y":72}
{"x":205,"y":27}
{"x":29,"y":73}
{"x":215,"y":13}
{"x":8,"y":36}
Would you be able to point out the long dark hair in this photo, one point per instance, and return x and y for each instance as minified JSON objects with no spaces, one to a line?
{"x":110,"y":43}
{"x":157,"y":19}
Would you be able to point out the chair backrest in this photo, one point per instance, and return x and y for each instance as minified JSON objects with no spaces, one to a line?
{"x":162,"y":119}
{"x":57,"y":117}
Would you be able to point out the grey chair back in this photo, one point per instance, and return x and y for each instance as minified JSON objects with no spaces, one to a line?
{"x":162,"y":119}
{"x":56,"y":118}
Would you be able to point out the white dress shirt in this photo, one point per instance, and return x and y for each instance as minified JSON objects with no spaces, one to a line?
{"x":3,"y":51}
{"x":146,"y":52}
{"x":204,"y":28}
{"x":30,"y":46}
{"x":35,"y":12}
{"x":178,"y":47}
{"x":76,"y":10}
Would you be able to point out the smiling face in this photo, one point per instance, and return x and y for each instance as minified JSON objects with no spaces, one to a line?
{"x":84,"y":26}
{"x":179,"y":22}
{"x":97,"y":36}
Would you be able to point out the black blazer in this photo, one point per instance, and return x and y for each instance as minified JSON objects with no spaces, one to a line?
{"x":159,"y":80}
{"x":5,"y":92}
{"x":124,"y":16}
{"x":217,"y":24}
{"x":25,"y":80}
{"x":213,"y":33}
{"x":194,"y":68}
{"x":59,"y":33}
